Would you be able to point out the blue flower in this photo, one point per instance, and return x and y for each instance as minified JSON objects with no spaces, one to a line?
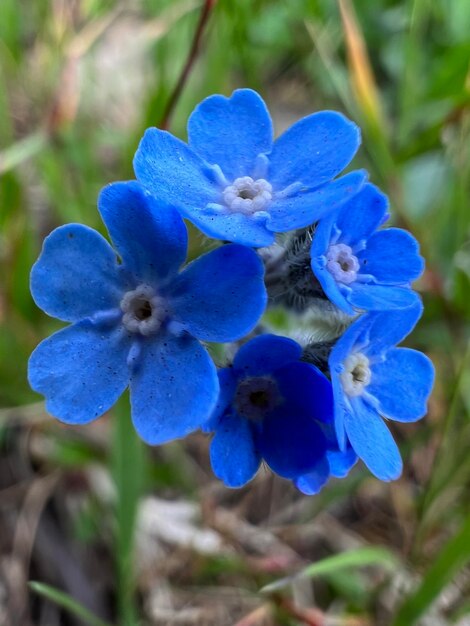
{"x":235,"y":183}
{"x":372,"y":378}
{"x":137,"y":321}
{"x":360,"y":267}
{"x":274,"y":407}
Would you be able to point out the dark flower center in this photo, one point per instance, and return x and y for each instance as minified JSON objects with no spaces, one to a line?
{"x":359,"y":374}
{"x":143,"y":310}
{"x":259,"y":399}
{"x":356,"y":373}
{"x":247,"y":193}
{"x":256,"y":396}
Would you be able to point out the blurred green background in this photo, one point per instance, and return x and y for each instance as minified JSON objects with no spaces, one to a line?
{"x":80,"y":80}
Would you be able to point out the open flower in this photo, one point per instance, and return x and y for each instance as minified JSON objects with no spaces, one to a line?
{"x":372,"y":378}
{"x":275,"y":408}
{"x":360,"y":267}
{"x":136,"y":321}
{"x":235,"y":183}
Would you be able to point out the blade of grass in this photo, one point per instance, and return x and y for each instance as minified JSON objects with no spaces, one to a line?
{"x":366,"y":93}
{"x":454,"y":556}
{"x":22,"y":150}
{"x":66,"y":602}
{"x":362,"y":76}
{"x":360,"y":557}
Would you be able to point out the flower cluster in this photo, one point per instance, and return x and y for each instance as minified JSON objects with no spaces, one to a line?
{"x":294,"y":235}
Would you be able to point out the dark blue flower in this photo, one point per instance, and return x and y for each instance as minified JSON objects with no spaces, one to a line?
{"x":274,"y":407}
{"x":360,"y":267}
{"x":372,"y":378}
{"x":235,"y":183}
{"x":137,"y":321}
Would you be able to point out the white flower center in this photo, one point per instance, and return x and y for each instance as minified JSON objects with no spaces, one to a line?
{"x":248,"y":196}
{"x":143,"y":310}
{"x":341,"y":263}
{"x":256,"y":396}
{"x":356,"y":374}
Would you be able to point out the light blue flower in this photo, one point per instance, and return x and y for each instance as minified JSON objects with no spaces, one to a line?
{"x":360,"y":267}
{"x":275,"y":408}
{"x":136,"y":321}
{"x":234,"y":183}
{"x":373,"y":379}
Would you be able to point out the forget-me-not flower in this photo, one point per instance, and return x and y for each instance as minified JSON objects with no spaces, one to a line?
{"x":137,"y":321}
{"x":373,"y":379}
{"x":275,"y":408}
{"x":360,"y":267}
{"x":235,"y":183}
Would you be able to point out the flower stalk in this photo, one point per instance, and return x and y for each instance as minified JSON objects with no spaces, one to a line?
{"x":127,"y":466}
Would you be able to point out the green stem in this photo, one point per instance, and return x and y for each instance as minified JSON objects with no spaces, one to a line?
{"x":128,"y":472}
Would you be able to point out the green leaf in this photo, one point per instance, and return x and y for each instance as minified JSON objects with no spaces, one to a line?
{"x":360,"y":557}
{"x":451,"y":559}
{"x":66,"y":602}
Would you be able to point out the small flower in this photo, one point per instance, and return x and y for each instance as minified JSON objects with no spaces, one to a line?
{"x":372,"y":378}
{"x":137,"y":321}
{"x":360,"y":267}
{"x":274,"y":407}
{"x":235,"y":183}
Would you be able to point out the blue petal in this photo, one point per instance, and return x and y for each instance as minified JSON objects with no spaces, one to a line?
{"x":235,"y":227}
{"x":265,"y":354}
{"x":174,"y":388}
{"x":391,"y":256}
{"x":231,"y":132}
{"x":291,"y":443}
{"x":76,"y":275}
{"x":388,"y":328}
{"x":371,"y":297}
{"x":313,"y":482}
{"x":233,"y":453}
{"x":362,"y":215}
{"x":221,"y":295}
{"x":355,"y":335}
{"x":372,"y":441}
{"x":81,"y":370}
{"x":228,"y":386}
{"x":150,"y":237}
{"x":402,"y":384}
{"x":341,"y":404}
{"x":291,"y":438}
{"x":172,"y":172}
{"x":314,"y":150}
{"x":306,"y":389}
{"x":324,"y":233}
{"x":329,"y":285}
{"x":341,"y":462}
{"x":305,"y":207}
